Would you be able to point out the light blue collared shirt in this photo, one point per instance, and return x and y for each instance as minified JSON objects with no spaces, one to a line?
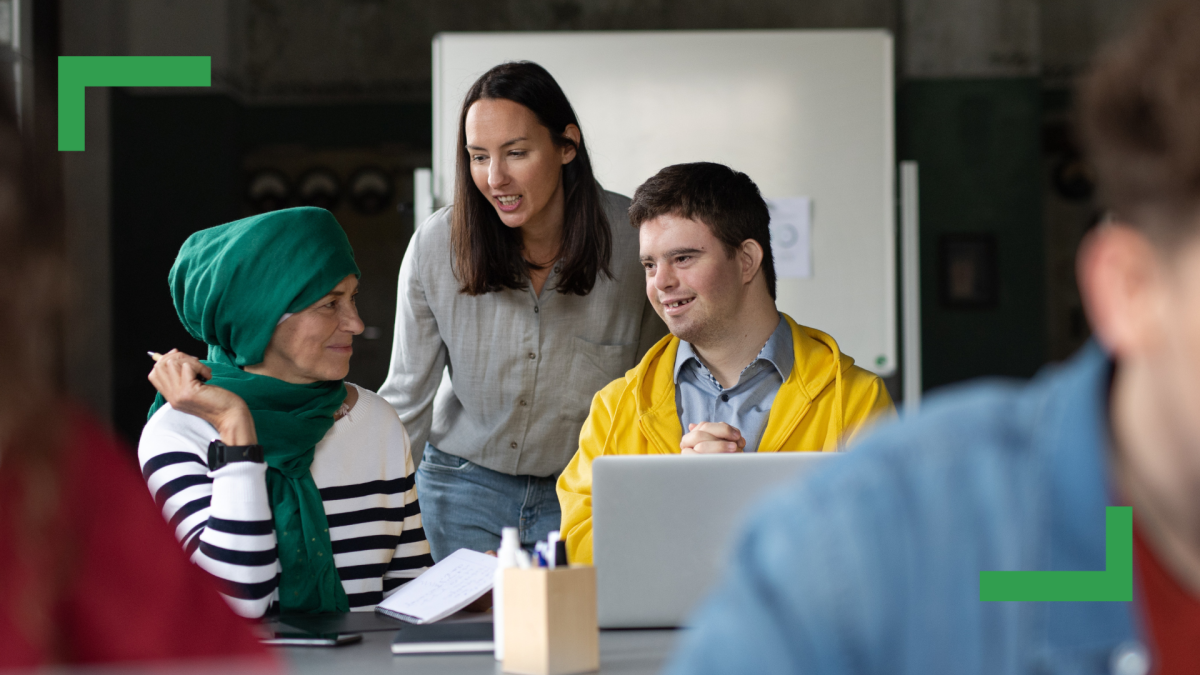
{"x":747,"y":404}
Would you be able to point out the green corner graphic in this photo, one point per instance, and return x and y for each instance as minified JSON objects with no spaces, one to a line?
{"x":77,"y":72}
{"x":1114,"y":584}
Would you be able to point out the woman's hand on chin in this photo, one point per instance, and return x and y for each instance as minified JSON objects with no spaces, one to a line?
{"x":180,"y":379}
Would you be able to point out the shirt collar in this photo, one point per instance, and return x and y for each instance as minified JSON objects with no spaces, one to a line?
{"x":778,"y":351}
{"x":685,"y":354}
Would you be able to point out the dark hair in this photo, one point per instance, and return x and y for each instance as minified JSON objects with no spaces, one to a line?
{"x":727,"y":201}
{"x":32,"y":435}
{"x":487,"y":253}
{"x":1140,"y":120}
{"x":32,"y":273}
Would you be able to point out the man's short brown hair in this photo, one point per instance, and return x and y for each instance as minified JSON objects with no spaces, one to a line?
{"x":727,"y":201}
{"x":1140,"y":120}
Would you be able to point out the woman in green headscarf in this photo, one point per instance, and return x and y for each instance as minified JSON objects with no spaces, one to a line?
{"x":292,"y":487}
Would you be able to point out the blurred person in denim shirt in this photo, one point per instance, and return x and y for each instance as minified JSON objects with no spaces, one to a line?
{"x":872,"y":564}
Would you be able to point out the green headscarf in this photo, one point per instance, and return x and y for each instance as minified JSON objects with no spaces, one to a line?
{"x":231,"y":284}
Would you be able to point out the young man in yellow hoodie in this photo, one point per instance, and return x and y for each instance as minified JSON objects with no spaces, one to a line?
{"x":735,"y":372}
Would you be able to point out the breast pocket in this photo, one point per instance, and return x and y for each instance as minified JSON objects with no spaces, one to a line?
{"x":592,"y":367}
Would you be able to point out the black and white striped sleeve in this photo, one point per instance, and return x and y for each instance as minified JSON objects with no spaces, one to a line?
{"x":412,"y":556}
{"x":223,"y":519}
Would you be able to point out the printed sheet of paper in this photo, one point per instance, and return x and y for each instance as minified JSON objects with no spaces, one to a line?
{"x":791,"y":237}
{"x":455,"y":582}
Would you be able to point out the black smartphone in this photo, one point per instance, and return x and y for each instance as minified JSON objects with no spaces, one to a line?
{"x":299,"y":639}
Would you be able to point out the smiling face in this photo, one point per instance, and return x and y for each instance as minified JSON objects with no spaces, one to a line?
{"x":695,"y":286}
{"x":314,"y":344}
{"x":515,"y":163}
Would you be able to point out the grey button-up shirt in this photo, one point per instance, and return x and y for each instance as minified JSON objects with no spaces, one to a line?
{"x":747,"y":404}
{"x":521,"y":368}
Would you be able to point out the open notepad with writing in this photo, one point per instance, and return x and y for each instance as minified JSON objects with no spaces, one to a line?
{"x":455,"y":582}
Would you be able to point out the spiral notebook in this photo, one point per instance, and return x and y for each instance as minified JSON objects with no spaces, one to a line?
{"x":458,"y":580}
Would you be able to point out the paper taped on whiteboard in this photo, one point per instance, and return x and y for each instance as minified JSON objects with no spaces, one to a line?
{"x":791,"y":237}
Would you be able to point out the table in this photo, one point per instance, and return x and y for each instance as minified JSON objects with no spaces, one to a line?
{"x":628,"y":652}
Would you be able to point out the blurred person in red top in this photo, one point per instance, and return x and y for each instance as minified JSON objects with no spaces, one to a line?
{"x":89,"y":572}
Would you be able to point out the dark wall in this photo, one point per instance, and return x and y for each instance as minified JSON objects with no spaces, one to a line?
{"x":177,"y":168}
{"x":978,"y":146}
{"x":175,"y":171}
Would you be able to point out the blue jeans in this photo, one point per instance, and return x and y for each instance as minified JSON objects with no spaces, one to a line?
{"x":464,"y":505}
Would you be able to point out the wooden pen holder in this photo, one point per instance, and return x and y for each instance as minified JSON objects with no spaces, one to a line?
{"x":550,"y":621}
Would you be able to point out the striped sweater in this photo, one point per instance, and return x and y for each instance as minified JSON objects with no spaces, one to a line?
{"x":364,"y":470}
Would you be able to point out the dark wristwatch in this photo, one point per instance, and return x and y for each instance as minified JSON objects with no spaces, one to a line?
{"x":220,"y":454}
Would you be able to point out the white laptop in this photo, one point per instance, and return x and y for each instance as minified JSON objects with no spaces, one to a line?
{"x":663,"y":527}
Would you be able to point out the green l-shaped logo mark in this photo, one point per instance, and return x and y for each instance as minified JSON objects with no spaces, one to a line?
{"x":1114,"y":584}
{"x":77,"y":72}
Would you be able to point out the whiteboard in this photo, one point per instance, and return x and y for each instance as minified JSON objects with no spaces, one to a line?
{"x":803,"y":113}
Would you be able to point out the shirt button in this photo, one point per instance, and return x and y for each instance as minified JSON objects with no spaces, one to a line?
{"x":535,"y":310}
{"x":523,"y":402}
{"x":1130,"y":658}
{"x":513,"y":445}
{"x":725,"y":397}
{"x":532,"y":355}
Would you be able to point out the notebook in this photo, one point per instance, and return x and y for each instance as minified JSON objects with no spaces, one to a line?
{"x":444,"y":638}
{"x":455,"y":582}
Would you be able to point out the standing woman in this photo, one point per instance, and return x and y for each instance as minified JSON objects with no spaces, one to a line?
{"x":528,"y":291}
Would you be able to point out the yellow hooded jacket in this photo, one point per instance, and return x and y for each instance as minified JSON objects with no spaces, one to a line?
{"x":818,"y":407}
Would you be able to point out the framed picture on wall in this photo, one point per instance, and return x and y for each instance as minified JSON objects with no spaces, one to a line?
{"x":968,"y":271}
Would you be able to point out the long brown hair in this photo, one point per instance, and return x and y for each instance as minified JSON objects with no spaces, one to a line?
{"x":487,"y":253}
{"x":32,"y":432}
{"x":32,"y":281}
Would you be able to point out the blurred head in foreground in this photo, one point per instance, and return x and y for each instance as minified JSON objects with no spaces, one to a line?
{"x":31,"y":282}
{"x":89,"y":573}
{"x":899,"y":558}
{"x":1139,"y":273}
{"x":31,"y":272}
